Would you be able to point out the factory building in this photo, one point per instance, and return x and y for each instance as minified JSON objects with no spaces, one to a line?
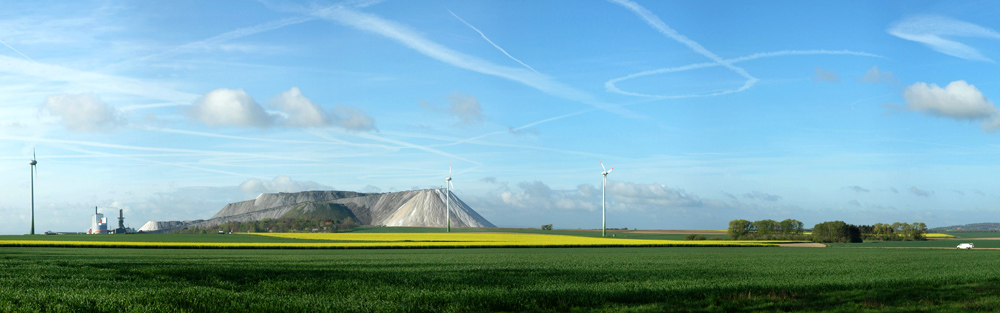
{"x":98,"y":223}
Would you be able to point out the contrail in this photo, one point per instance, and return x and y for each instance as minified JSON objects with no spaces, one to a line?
{"x":94,"y":80}
{"x":491,"y":41}
{"x":413,"y":40}
{"x":227,"y":36}
{"x":662,"y":27}
{"x":141,"y":148}
{"x":26,"y":57}
{"x":611,"y":86}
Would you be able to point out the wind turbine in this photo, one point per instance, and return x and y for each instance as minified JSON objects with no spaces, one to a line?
{"x":33,"y":174}
{"x":604,"y":228}
{"x":447,"y":198}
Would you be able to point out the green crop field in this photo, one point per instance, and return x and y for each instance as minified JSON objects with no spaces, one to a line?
{"x":477,"y":280}
{"x":975,"y":234}
{"x":944,"y":243}
{"x":569,"y":232}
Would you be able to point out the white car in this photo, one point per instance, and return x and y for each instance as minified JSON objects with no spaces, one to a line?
{"x":965,"y":246}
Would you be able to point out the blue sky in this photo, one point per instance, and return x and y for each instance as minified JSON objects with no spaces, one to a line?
{"x":709,"y":111}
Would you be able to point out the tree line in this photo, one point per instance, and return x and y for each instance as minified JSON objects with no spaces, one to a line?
{"x":834,"y":231}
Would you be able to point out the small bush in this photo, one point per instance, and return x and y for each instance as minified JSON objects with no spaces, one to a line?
{"x":694,"y":237}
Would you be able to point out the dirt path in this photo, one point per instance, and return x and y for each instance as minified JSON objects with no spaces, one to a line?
{"x":803,"y":245}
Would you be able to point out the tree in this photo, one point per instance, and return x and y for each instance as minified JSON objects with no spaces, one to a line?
{"x":791,"y":227}
{"x":766,"y":228}
{"x":739,"y":229}
{"x":836,"y":231}
{"x":547,"y":227}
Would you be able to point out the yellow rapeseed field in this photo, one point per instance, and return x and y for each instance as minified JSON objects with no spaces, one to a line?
{"x":386,"y":240}
{"x":937,"y":235}
{"x":399,"y":240}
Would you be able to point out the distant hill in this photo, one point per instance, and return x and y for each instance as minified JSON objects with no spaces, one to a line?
{"x":406,"y":208}
{"x":975,"y":227}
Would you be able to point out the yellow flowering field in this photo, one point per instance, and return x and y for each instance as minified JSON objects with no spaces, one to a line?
{"x":938,"y":235}
{"x":393,"y":240}
{"x":443,"y":240}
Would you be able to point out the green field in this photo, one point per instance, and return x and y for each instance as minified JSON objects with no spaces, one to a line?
{"x":943,"y":243}
{"x":476,"y":280}
{"x":569,"y":232}
{"x":975,"y":234}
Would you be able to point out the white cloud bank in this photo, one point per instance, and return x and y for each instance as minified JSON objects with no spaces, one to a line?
{"x":280,"y":183}
{"x":83,"y":112}
{"x":229,"y":107}
{"x":931,"y":31}
{"x":622,"y":196}
{"x":958,"y":100}
{"x":234,"y":107}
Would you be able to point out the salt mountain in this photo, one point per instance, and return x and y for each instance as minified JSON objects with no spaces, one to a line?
{"x":406,"y":208}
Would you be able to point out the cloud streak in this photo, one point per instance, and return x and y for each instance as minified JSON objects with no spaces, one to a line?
{"x":933,"y":30}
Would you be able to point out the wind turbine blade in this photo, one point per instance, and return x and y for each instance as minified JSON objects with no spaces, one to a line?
{"x":452,"y":186}
{"x":602,"y":166}
{"x":612,"y":169}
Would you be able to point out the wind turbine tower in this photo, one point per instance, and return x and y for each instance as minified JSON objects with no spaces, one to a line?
{"x":604,"y":225}
{"x":447,"y":198}
{"x":33,"y":173}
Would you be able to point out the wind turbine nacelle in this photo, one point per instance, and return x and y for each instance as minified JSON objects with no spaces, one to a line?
{"x":33,"y":162}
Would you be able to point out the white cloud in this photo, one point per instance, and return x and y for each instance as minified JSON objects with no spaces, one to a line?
{"x":83,"y":112}
{"x":229,"y":107}
{"x":826,"y":76}
{"x":280,"y":183}
{"x":931,"y":31}
{"x":761,"y":196}
{"x":959,"y":100}
{"x":874,"y":76}
{"x":921,"y":192}
{"x":467,"y":108}
{"x":648,"y":196}
{"x":353,"y":119}
{"x":620,"y":196}
{"x":301,"y":112}
{"x":857,"y":189}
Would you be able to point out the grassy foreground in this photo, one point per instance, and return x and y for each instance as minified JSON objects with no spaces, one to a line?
{"x":474,"y":280}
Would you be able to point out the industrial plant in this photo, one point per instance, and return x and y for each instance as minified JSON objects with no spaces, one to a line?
{"x":99,"y":224}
